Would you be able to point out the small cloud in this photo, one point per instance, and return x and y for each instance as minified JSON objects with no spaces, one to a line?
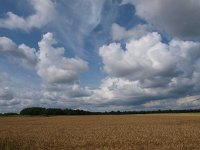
{"x":44,"y":13}
{"x":22,"y":54}
{"x":119,"y":33}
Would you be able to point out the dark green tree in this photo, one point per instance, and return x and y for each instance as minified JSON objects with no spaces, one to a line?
{"x":33,"y":111}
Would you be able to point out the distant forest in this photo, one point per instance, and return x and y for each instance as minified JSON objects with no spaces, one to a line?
{"x":40,"y":111}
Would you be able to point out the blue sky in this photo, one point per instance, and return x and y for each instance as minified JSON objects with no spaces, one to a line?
{"x":99,"y":55}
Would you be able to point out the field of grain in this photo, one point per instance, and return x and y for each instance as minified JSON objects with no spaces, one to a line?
{"x":101,"y":132}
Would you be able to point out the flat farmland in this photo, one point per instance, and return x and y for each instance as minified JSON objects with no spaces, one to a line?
{"x":165,"y":131}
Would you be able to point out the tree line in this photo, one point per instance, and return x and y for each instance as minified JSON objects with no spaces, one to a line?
{"x":40,"y":111}
{"x":58,"y":111}
{"x":54,"y":111}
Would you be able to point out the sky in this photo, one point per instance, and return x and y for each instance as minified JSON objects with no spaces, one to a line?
{"x":99,"y":55}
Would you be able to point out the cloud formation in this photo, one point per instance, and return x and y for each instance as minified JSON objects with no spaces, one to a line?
{"x":148,"y":69}
{"x":60,"y":75}
{"x":150,"y":62}
{"x":44,"y":13}
{"x":53,"y":66}
{"x":142,"y":58}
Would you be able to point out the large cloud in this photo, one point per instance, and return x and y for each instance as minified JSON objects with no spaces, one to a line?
{"x":148,"y":69}
{"x":53,"y":66}
{"x":23,"y":54}
{"x":178,"y":18}
{"x":142,"y":58}
{"x":44,"y":13}
{"x":60,"y":74}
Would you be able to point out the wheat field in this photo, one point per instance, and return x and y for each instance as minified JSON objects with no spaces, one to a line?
{"x":151,"y":132}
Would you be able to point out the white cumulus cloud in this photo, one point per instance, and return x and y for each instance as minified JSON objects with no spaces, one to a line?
{"x":54,"y":67}
{"x":142,"y":58}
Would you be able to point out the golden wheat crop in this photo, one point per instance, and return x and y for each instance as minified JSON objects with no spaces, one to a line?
{"x":100,"y":132}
